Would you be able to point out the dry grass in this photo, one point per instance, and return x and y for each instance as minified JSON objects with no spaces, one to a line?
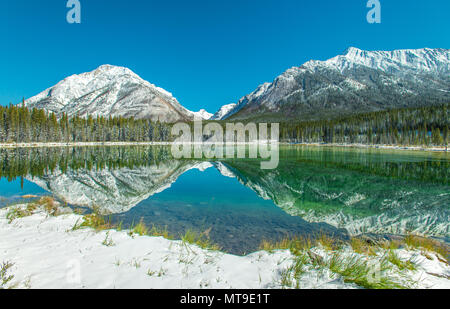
{"x":49,"y":204}
{"x":140,"y":229}
{"x":391,"y":244}
{"x":99,"y":223}
{"x":295,"y":245}
{"x":199,"y":239}
{"x":298,"y":245}
{"x":32,"y":207}
{"x":78,"y":211}
{"x":427,"y":244}
{"x":329,"y":243}
{"x":363,"y":247}
{"x":96,"y":222}
{"x":158,"y":232}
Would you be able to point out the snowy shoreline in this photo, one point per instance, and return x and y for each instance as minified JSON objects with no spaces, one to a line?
{"x":382,"y":147}
{"x":87,"y":144}
{"x":110,"y":144}
{"x":47,"y":252}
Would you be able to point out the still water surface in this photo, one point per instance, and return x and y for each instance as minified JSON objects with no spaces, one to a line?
{"x":338,"y":191}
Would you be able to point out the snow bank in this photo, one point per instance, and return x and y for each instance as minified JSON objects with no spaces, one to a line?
{"x":47,"y":253}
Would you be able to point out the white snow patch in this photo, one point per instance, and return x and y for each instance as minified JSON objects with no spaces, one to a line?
{"x":47,"y":253}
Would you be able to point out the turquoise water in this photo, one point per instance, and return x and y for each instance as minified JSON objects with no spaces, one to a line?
{"x":339,"y":191}
{"x":12,"y":192}
{"x":14,"y":189}
{"x":236,"y":217}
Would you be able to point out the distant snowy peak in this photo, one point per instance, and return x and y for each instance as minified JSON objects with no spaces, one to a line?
{"x":234,"y":108}
{"x":231,"y":109}
{"x":425,"y":59}
{"x":223,"y":111}
{"x":356,"y":81}
{"x":110,"y":91}
{"x":202,"y":114}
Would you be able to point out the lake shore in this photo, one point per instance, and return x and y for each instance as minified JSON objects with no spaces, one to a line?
{"x":386,"y":147}
{"x":50,"y":250}
{"x":111,"y":144}
{"x":87,"y":144}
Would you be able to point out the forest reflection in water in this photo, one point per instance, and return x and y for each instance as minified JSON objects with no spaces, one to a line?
{"x":338,"y":191}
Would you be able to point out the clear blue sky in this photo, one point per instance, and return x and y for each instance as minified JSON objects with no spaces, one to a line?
{"x":206,"y":52}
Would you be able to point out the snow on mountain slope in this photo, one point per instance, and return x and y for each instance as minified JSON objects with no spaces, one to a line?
{"x":110,"y":91}
{"x":202,"y":114}
{"x":357,"y":81}
{"x":435,"y":61}
{"x":224,"y":110}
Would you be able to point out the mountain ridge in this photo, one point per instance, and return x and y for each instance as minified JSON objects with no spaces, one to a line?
{"x":110,"y":91}
{"x":356,"y":81}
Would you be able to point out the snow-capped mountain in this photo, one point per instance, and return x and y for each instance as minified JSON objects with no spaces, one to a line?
{"x":356,"y":81}
{"x":202,"y":114}
{"x":435,"y":61}
{"x":224,"y":110}
{"x":110,"y":91}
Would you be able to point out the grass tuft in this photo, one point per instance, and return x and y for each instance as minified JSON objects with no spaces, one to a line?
{"x":329,"y":243}
{"x":78,"y":211}
{"x":394,"y":259}
{"x":290,"y":277}
{"x":427,"y":244}
{"x":390,"y":244}
{"x":158,"y":232}
{"x":363,"y":247}
{"x":16,"y":213}
{"x":32,"y":207}
{"x":108,"y":242}
{"x":49,"y":204}
{"x":95,"y":221}
{"x":363,"y":272}
{"x":298,"y":245}
{"x":162,"y":272}
{"x":4,"y":277}
{"x":151,"y":273}
{"x":199,"y":239}
{"x":140,"y":229}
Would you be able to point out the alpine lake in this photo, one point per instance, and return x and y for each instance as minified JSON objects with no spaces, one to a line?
{"x":342,"y":192}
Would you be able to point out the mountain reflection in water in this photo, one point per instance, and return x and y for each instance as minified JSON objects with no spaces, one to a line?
{"x":314,"y":190}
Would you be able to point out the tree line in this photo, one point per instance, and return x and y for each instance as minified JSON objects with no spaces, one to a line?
{"x":408,"y":126}
{"x":19,"y":124}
